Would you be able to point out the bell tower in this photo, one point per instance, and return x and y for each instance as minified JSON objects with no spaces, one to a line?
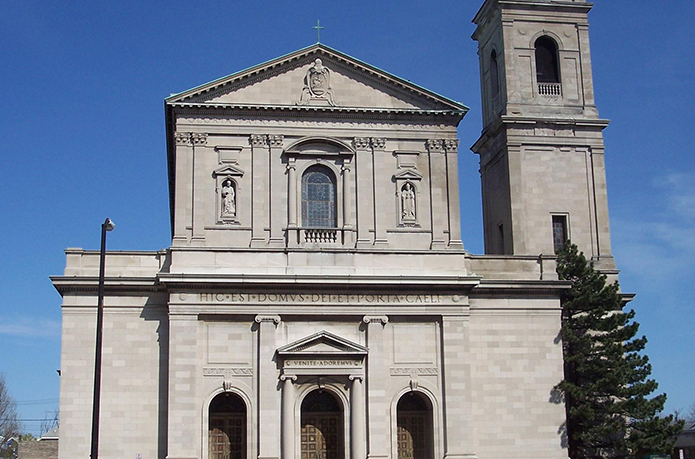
{"x":541,"y":149}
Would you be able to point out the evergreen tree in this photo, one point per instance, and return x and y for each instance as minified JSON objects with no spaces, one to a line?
{"x":606,"y":385}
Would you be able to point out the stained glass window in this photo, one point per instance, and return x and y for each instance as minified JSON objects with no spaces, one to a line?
{"x":318,"y":198}
{"x":559,"y":232}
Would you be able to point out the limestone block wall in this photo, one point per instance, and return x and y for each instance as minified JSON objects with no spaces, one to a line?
{"x":516,"y":359}
{"x":134,"y":362}
{"x":266,"y":162}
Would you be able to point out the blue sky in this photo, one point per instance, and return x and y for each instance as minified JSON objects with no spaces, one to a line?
{"x":82,"y":126}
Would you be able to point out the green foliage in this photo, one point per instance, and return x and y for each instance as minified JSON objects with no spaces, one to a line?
{"x":606,"y":385}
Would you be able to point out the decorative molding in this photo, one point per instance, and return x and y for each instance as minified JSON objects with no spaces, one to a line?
{"x":378,"y":143}
{"x":199,"y":138}
{"x":267,"y":318}
{"x":182,"y":138}
{"x":360,"y":143}
{"x":451,"y":144}
{"x":276,"y":140}
{"x":369,"y":319}
{"x":435,"y":145}
{"x":258,"y":140}
{"x":405,"y":371}
{"x":227,"y":372}
{"x":317,"y":85}
{"x":227,"y":171}
{"x":414,"y":382}
{"x":227,"y":385}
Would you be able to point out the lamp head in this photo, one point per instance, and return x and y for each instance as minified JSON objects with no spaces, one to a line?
{"x":109,"y":225}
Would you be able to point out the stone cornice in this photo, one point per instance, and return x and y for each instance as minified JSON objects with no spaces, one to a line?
{"x":89,"y":284}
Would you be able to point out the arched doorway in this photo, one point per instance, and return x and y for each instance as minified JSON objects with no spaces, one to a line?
{"x":227,"y":427}
{"x":414,"y":427}
{"x":322,"y":426}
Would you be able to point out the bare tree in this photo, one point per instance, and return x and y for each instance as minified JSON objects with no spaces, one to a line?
{"x":690,"y":416}
{"x":49,"y":424}
{"x":9,"y":421}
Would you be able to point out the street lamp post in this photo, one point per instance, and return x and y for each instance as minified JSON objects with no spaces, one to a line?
{"x":108,"y":225}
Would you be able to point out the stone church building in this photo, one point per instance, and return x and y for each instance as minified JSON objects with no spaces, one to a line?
{"x":317,"y":301}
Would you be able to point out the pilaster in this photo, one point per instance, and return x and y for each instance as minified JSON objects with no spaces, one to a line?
{"x":260,"y":188}
{"x":183,"y":194}
{"x":199,"y":199}
{"x":268,"y":400}
{"x":451,"y":148}
{"x":382,"y":201}
{"x":348,"y":220}
{"x":292,"y":202}
{"x":377,"y":404}
{"x":276,"y":205}
{"x":439,"y":204}
{"x":456,"y":379}
{"x":364,"y":164}
{"x":183,"y":417}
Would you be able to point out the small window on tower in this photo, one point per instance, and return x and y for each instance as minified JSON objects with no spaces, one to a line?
{"x":494,"y":74}
{"x":560,"y":235}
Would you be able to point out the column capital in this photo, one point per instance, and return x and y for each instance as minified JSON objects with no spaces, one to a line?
{"x":359,"y":378}
{"x":258,"y":140}
{"x":276,"y":140}
{"x":378,"y":143}
{"x":369,"y":319}
{"x":290,"y":378}
{"x":360,"y":143}
{"x":199,"y":138}
{"x":267,"y":318}
{"x":435,"y":145}
{"x":182,"y":138}
{"x":451,"y":145}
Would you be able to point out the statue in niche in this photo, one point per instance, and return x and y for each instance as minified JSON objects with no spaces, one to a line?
{"x":228,"y":198}
{"x":317,"y":84}
{"x":408,"y":202}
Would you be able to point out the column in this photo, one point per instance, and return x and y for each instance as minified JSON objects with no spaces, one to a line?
{"x":183,"y":197}
{"x":292,"y":202}
{"x":348,"y":225}
{"x":259,"y":189}
{"x":288,"y":400}
{"x":452,"y":179}
{"x":198,"y":140}
{"x":379,"y":440}
{"x":458,"y":441}
{"x":438,"y":193}
{"x":276,"y":207}
{"x":184,"y":410}
{"x":364,"y":192}
{"x":268,"y":397}
{"x":382,"y":197}
{"x":358,"y":426}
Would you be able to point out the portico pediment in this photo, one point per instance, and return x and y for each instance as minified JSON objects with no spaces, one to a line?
{"x":317,"y":77}
{"x":321,"y":344}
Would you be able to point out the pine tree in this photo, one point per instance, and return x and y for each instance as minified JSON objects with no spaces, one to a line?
{"x":606,"y":384}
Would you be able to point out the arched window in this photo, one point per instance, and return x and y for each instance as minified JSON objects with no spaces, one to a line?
{"x":227,"y":427}
{"x":547,"y":70}
{"x":494,"y":74}
{"x":318,"y":198}
{"x":322,"y":426}
{"x":414,"y":424}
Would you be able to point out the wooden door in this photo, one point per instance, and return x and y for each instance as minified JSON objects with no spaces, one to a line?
{"x":227,"y":436}
{"x":413,"y":435}
{"x":322,"y":435}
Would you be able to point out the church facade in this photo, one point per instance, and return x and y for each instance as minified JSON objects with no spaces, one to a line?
{"x":317,"y":301}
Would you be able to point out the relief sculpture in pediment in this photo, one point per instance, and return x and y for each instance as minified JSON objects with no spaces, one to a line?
{"x":317,"y":85}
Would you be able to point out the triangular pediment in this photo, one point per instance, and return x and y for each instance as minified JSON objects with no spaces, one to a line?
{"x":408,"y":174}
{"x":316,"y":77}
{"x":322,"y":343}
{"x":228,"y":170}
